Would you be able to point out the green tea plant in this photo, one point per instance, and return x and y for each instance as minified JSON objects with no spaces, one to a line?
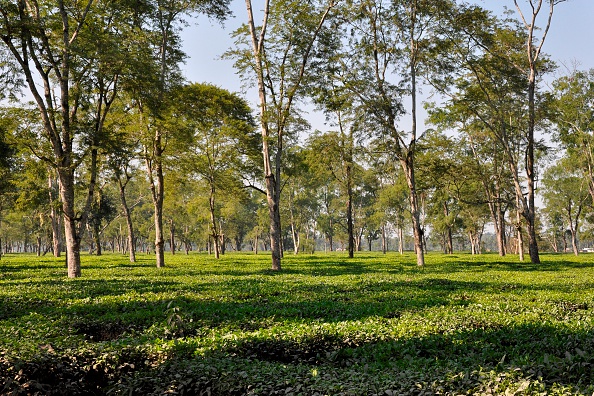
{"x":372,"y":325}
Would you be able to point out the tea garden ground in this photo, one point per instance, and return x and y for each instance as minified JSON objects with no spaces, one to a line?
{"x":325,"y":325}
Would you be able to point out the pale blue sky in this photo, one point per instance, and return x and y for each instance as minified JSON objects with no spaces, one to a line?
{"x":570,"y":39}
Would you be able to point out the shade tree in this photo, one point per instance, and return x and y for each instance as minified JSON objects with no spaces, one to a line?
{"x":275,"y":57}
{"x":573,"y":117}
{"x":490,"y":97}
{"x":566,"y":193}
{"x":157,"y":76}
{"x":220,"y":129}
{"x":72,"y":79}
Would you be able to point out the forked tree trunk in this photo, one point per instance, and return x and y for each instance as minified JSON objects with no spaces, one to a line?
{"x":283,"y":112}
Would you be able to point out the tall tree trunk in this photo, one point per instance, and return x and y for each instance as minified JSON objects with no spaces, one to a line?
{"x":350,"y":225}
{"x":97,"y":237}
{"x":408,"y":168}
{"x":408,"y":161}
{"x":519,"y":236}
{"x":71,"y":236}
{"x":222,"y":244}
{"x":573,"y":228}
{"x":155,"y":175}
{"x":274,"y":215}
{"x":54,"y":218}
{"x":533,"y":52}
{"x":449,"y":239}
{"x":500,"y":230}
{"x":296,"y":239}
{"x":471,"y":240}
{"x":294,"y":232}
{"x":574,"y":242}
{"x":349,"y":180}
{"x":384,"y":242}
{"x":128,"y":217}
{"x":283,"y":112}
{"x":530,"y":211}
{"x":213,"y":221}
{"x":172,"y":236}
{"x":330,"y":234}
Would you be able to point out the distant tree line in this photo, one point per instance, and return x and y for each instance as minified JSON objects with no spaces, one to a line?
{"x":104,"y":145}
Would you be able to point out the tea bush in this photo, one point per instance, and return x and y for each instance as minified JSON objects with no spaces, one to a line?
{"x":325,"y":325}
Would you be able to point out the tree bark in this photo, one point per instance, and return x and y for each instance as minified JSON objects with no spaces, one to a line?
{"x":533,"y":52}
{"x":155,"y":176}
{"x":282,"y":114}
{"x":519,"y":236}
{"x":128,"y":217}
{"x":72,"y":237}
{"x":172,"y":236}
{"x":54,"y":218}
{"x":408,"y":168}
{"x":213,"y":221}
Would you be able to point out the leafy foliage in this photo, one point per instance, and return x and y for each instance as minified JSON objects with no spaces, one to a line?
{"x":326,"y":325}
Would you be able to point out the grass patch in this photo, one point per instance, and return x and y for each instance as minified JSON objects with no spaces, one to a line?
{"x":373,"y":325}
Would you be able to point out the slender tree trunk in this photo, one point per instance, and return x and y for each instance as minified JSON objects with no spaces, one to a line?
{"x":128,"y":217}
{"x":471,"y":240}
{"x":273,"y":176}
{"x":349,"y":180}
{"x":533,"y":53}
{"x":573,"y":228}
{"x":554,"y":242}
{"x":271,"y":182}
{"x":172,"y":236}
{"x":296,"y":240}
{"x":530,"y":175}
{"x":407,"y":166}
{"x":408,"y":161}
{"x":275,"y":223}
{"x":294,"y":232}
{"x":213,"y":221}
{"x":97,"y":237}
{"x":222,"y":244}
{"x":519,"y":236}
{"x":500,"y":230}
{"x":384,"y":242}
{"x":54,"y":218}
{"x":155,"y":174}
{"x":331,"y":236}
